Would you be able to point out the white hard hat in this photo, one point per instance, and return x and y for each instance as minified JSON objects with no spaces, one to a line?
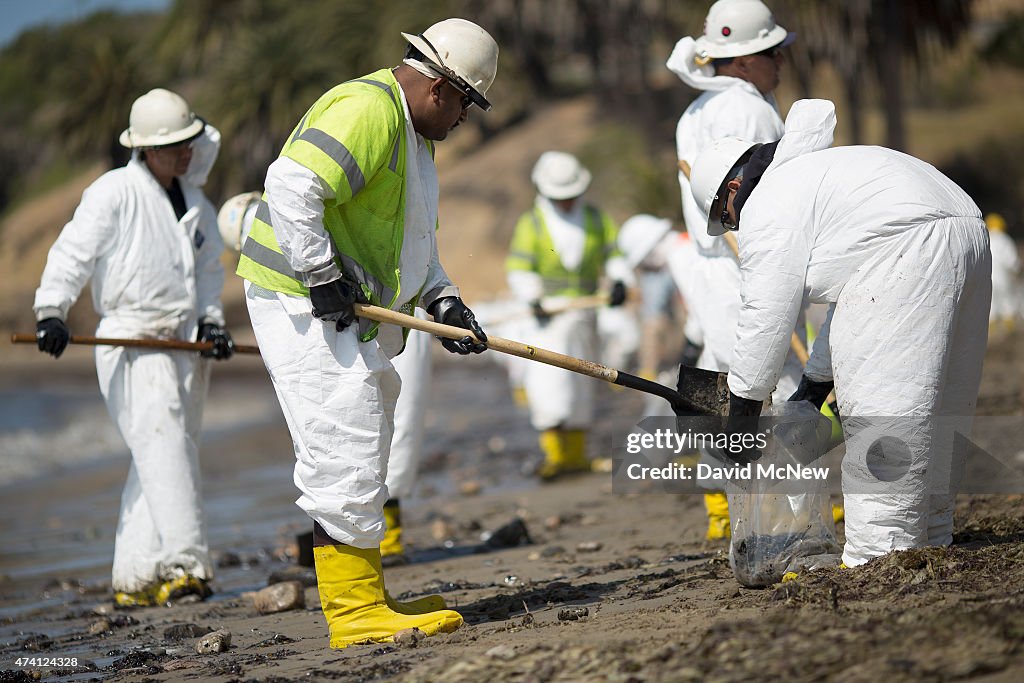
{"x":559,"y":175}
{"x":640,"y":234}
{"x":734,"y":28}
{"x":710,"y":172}
{"x":465,"y":53}
{"x":235,"y":218}
{"x":160,"y":117}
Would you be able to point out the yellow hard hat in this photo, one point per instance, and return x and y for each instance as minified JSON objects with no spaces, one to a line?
{"x":995,"y":222}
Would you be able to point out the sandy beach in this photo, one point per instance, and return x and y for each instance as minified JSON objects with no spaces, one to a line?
{"x":606,"y":588}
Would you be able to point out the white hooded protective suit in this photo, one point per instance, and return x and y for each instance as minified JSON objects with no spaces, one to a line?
{"x":338,"y":394}
{"x":153,"y":276}
{"x":1005,"y":268}
{"x":414,"y":367}
{"x":902,"y":255}
{"x":727,"y":107}
{"x":559,"y":399}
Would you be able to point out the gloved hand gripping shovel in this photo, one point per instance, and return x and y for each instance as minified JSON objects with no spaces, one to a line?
{"x":701,"y":392}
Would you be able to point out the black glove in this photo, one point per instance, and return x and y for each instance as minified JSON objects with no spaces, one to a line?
{"x":542,"y":316}
{"x":450,"y":310}
{"x":741,"y":427}
{"x":52,"y":336}
{"x":333,"y":302}
{"x":223,"y":345}
{"x":815,"y":392}
{"x":691,"y":354}
{"x":617,"y":296}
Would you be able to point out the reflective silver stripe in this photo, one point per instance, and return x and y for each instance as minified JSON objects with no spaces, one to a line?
{"x":263,"y":212}
{"x":523,"y":255}
{"x":394,"y":156}
{"x":383,"y":86}
{"x":268,"y":258}
{"x":338,"y":153}
{"x":553,"y":285}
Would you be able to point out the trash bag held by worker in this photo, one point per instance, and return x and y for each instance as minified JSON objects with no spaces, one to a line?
{"x":780,"y":523}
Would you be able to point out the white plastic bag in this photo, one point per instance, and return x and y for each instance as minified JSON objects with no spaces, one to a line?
{"x":783,"y":524}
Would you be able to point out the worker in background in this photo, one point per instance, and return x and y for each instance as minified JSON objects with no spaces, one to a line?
{"x":682,"y":265}
{"x":414,"y":366}
{"x":561,"y":249}
{"x":146,"y":236}
{"x":349,"y":215}
{"x":647,"y":241}
{"x":1005,"y":269}
{"x":736,"y":64}
{"x":902,"y":256}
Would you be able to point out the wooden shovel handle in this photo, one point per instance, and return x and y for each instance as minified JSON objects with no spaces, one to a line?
{"x":558,"y":360}
{"x":166,"y":344}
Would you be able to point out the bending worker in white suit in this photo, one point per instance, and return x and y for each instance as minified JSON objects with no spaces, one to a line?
{"x":736,"y":64}
{"x":902,"y":256}
{"x":147,"y":238}
{"x":350,"y":214}
{"x":560,"y":250}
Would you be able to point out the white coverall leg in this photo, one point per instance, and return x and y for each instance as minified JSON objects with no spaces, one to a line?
{"x":560,"y":399}
{"x":156,"y":400}
{"x":414,"y":367}
{"x":338,"y":396}
{"x":910,"y":345}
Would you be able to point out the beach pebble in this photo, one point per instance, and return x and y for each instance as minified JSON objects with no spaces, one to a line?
{"x":588,"y":547}
{"x":409,"y":637}
{"x":218,"y":641}
{"x":98,"y":627}
{"x":185,"y":631}
{"x":505,"y":652}
{"x":280,"y":597}
{"x":470,"y":488}
{"x":440,"y":530}
{"x":573,"y":613}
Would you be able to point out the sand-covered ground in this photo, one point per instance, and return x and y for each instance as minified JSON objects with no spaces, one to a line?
{"x":609,"y":588}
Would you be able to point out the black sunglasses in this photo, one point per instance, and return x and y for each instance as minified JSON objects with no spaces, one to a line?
{"x":770,"y":53}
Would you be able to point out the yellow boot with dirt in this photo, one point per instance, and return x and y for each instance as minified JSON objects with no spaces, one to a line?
{"x":164,"y":592}
{"x":355,"y":602}
{"x":564,"y":453}
{"x":392,"y":554}
{"x":391,"y":551}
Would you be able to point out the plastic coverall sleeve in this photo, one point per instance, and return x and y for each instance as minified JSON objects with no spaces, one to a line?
{"x":819,"y":364}
{"x":774,"y":262}
{"x":295,"y":197}
{"x":438,"y":284}
{"x":205,"y":149}
{"x":72,"y":258}
{"x":209,"y":270}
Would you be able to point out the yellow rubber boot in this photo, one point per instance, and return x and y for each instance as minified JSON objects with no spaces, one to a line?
{"x":392,"y":553}
{"x":717,"y":506}
{"x":391,"y":546}
{"x":564,"y":453}
{"x":354,"y":601}
{"x":164,"y":592}
{"x":838,"y":513}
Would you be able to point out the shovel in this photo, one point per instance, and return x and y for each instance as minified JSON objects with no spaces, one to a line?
{"x":160,"y":344}
{"x":700,"y":392}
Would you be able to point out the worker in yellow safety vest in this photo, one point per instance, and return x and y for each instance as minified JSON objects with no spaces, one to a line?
{"x":561,"y":250}
{"x":349,"y":215}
